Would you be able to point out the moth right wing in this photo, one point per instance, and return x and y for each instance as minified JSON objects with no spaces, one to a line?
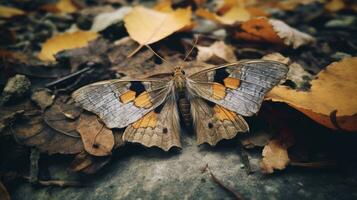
{"x":119,"y":103}
{"x":160,"y":127}
{"x":214,"y":122}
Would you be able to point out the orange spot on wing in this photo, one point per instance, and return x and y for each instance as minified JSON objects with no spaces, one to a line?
{"x":127,"y":96}
{"x":232,"y":83}
{"x":224,"y":114}
{"x":149,"y":120}
{"x":143,"y":100}
{"x":219,"y":91}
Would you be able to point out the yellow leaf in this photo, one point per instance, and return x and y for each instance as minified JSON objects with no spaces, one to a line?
{"x":275,"y":156}
{"x":235,"y":14}
{"x":164,"y":6}
{"x":65,"y":41}
{"x":335,"y":5}
{"x":335,"y":89}
{"x":66,"y":6}
{"x":147,"y":26}
{"x":7,"y":12}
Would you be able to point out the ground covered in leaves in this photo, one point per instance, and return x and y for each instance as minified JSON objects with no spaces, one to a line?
{"x":301,"y":143}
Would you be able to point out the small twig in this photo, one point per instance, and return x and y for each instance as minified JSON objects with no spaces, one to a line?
{"x":314,"y":165}
{"x":65,"y":78}
{"x":225,"y":187}
{"x":59,"y":183}
{"x":245,"y":158}
{"x":216,"y":180}
{"x":34,"y":169}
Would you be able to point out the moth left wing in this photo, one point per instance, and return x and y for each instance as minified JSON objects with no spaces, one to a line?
{"x":213,"y":122}
{"x":119,"y":103}
{"x":160,"y":127}
{"x":239,"y":87}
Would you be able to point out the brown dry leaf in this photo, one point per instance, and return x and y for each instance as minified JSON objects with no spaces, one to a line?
{"x":275,"y":156}
{"x":292,"y":4}
{"x":65,"y":41}
{"x":335,"y":5}
{"x":272,"y":31}
{"x":218,"y":50}
{"x":164,"y":6}
{"x":86,"y":163}
{"x":98,"y":140}
{"x":4,"y":194}
{"x":333,"y":90}
{"x":8,"y":12}
{"x":147,"y":26}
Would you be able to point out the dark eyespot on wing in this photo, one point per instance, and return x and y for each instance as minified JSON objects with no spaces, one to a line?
{"x":220,"y":75}
{"x":138,"y":87}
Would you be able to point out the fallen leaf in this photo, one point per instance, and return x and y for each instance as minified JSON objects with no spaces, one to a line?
{"x":66,"y":6}
{"x":8,"y":12}
{"x":290,"y":36}
{"x":35,"y":133}
{"x":218,"y":50}
{"x":4,"y":194}
{"x":103,"y":20}
{"x":98,"y":140}
{"x":273,"y":31}
{"x":147,"y":26}
{"x":331,"y":99}
{"x":275,"y":156}
{"x":235,"y":14}
{"x":335,"y":5}
{"x":290,"y":5}
{"x":86,"y":163}
{"x":43,"y":98}
{"x":65,"y":41}
{"x":164,"y":6}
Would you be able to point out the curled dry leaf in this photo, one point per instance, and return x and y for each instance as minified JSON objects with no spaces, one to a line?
{"x":218,"y":50}
{"x":98,"y":140}
{"x":331,"y":100}
{"x":275,"y":156}
{"x":43,"y":98}
{"x":147,"y":26}
{"x":65,"y":41}
{"x":272,"y":31}
{"x":8,"y":12}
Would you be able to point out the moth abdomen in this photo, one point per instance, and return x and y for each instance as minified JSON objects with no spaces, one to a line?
{"x":185,"y":110}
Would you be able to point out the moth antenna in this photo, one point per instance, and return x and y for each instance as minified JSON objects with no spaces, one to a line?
{"x":193,"y":47}
{"x":152,"y":50}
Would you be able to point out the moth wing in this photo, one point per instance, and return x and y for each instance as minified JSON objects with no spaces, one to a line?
{"x":213,"y":122}
{"x":119,"y":103}
{"x":159,"y":127}
{"x":239,"y":87}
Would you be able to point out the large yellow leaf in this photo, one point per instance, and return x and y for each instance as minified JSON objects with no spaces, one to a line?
{"x":332,"y":99}
{"x":147,"y":26}
{"x":65,"y":41}
{"x":235,"y":14}
{"x":7,"y":12}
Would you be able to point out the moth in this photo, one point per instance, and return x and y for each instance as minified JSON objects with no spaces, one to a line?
{"x":213,"y":99}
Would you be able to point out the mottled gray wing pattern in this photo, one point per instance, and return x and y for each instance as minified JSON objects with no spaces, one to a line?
{"x":214,"y":123}
{"x":239,"y":87}
{"x":119,"y":103}
{"x":160,"y":127}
